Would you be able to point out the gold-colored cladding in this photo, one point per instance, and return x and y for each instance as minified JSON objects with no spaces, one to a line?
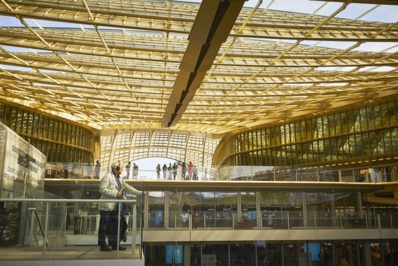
{"x":116,"y":65}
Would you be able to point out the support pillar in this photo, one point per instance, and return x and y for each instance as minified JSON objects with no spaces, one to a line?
{"x":358,"y":205}
{"x":367,"y":258}
{"x":187,"y":254}
{"x":305,"y":213}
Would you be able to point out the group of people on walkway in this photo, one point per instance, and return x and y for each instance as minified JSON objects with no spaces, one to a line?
{"x":128,"y":170}
{"x":170,"y":172}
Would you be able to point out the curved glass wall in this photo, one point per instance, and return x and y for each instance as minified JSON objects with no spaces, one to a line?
{"x":181,"y":146}
{"x":60,"y":141}
{"x":344,"y":136}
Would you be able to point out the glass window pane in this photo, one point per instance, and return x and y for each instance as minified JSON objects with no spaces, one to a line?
{"x":156,"y":209}
{"x":249,"y":213}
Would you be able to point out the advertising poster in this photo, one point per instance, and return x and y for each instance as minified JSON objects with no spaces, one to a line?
{"x":22,"y":165}
{"x":22,"y":169}
{"x":174,"y":253}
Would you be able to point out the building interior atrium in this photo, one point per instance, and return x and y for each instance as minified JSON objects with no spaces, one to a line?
{"x":287,"y":111}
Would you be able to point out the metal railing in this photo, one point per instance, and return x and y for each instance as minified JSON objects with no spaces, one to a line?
{"x":235,"y":173}
{"x":289,"y":220}
{"x":43,"y":231}
{"x":35,"y":217}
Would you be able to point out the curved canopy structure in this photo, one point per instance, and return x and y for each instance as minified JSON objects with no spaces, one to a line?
{"x":212,"y":66}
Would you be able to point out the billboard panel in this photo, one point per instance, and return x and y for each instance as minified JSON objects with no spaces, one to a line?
{"x":22,"y":166}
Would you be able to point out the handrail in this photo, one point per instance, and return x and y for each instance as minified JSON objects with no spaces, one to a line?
{"x":39,"y":222}
{"x":65,"y":201}
{"x":245,"y":173}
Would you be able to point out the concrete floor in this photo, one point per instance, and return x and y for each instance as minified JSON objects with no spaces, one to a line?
{"x":13,"y":255}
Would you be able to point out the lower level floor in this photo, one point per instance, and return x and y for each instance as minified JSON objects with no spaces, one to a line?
{"x":276,"y":253}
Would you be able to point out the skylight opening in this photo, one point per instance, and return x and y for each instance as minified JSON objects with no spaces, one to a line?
{"x":291,"y":6}
{"x":382,"y":13}
{"x":386,"y":47}
{"x":73,"y":99}
{"x":51,"y":71}
{"x":39,"y":51}
{"x":16,"y":49}
{"x":335,"y":84}
{"x":339,"y":68}
{"x":7,"y":21}
{"x":377,"y":69}
{"x":44,"y":85}
{"x":50,"y":24}
{"x":9,"y":67}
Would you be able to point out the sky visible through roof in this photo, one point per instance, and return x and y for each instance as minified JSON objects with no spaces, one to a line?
{"x":367,"y":12}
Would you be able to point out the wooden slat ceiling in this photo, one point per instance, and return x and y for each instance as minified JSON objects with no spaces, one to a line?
{"x":211,"y":67}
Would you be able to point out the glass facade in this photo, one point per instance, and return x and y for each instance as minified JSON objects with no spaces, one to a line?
{"x":246,"y":228}
{"x":59,"y":140}
{"x":275,"y":253}
{"x":265,"y":211}
{"x":270,"y":212}
{"x":341,"y":136}
{"x":181,"y":146}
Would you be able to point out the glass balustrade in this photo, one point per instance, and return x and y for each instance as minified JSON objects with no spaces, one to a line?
{"x":62,"y":229}
{"x":53,"y":229}
{"x":235,"y":173}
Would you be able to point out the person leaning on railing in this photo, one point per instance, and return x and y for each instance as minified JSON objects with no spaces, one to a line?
{"x":112,"y":187}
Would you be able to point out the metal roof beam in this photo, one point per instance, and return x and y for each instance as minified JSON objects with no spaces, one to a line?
{"x":211,"y":28}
